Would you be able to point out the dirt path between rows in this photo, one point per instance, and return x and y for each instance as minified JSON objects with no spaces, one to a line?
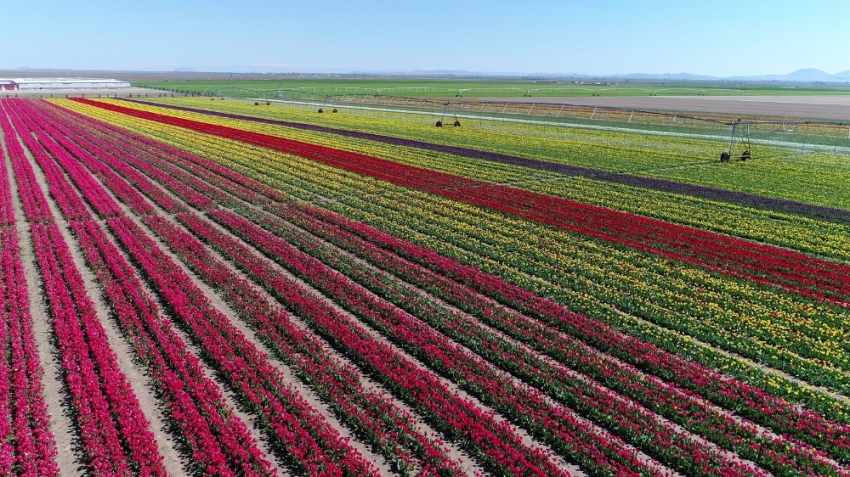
{"x":231,"y":399}
{"x":137,"y":378}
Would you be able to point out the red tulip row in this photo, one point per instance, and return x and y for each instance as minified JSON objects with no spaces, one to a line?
{"x":485,"y":436}
{"x":774,"y":413}
{"x":812,"y":430}
{"x":114,"y":431}
{"x":762,"y":264}
{"x":219,"y":445}
{"x":388,"y":427}
{"x":27,"y":446}
{"x":300,"y":430}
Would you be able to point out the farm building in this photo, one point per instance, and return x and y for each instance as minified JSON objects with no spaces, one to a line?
{"x":60,"y":83}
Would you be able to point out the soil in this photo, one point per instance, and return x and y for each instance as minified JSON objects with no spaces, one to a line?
{"x":815,"y":107}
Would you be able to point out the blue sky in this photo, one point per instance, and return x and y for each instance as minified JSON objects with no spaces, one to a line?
{"x":721,"y":38}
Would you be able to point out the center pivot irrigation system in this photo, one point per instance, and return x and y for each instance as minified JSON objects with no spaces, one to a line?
{"x":740,"y":139}
{"x":743,"y":133}
{"x":448,"y":109}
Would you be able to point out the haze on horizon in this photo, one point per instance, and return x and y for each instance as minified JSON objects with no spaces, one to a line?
{"x":606,"y":37}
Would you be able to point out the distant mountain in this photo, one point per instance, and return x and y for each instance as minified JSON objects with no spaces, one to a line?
{"x":810,"y":74}
{"x":184,"y":70}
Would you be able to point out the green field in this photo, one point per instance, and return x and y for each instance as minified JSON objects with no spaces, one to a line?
{"x":441,"y":88}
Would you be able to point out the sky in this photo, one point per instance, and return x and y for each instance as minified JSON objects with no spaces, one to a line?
{"x":591,"y":37}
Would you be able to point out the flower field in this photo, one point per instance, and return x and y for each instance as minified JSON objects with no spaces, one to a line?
{"x":228,"y":293}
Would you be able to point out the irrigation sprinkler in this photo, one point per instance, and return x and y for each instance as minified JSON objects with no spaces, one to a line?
{"x":446,"y":109}
{"x":740,"y":132}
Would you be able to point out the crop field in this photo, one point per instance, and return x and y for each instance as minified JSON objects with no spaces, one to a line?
{"x":207,"y":287}
{"x":441,"y":88}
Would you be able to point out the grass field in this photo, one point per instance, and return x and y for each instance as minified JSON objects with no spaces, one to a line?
{"x":440,"y":88}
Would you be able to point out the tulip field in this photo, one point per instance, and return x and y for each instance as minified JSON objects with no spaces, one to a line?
{"x":196,"y":287}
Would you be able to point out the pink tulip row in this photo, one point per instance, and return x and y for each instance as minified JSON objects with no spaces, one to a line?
{"x":300,"y":431}
{"x":774,"y":453}
{"x":722,"y":420}
{"x":199,"y":199}
{"x":35,"y":206}
{"x":220,"y":442}
{"x":391,"y":427}
{"x":28,"y":447}
{"x":113,"y":429}
{"x":219,"y":445}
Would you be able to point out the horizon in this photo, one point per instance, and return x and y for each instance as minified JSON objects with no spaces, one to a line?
{"x":447,"y":73}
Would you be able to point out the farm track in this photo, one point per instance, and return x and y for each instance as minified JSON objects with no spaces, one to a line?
{"x":825,"y":107}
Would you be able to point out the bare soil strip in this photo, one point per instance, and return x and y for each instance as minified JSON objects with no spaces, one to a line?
{"x":68,"y":444}
{"x":815,"y":107}
{"x":230,"y":397}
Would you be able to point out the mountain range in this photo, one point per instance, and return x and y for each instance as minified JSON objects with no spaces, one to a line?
{"x":806,"y":75}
